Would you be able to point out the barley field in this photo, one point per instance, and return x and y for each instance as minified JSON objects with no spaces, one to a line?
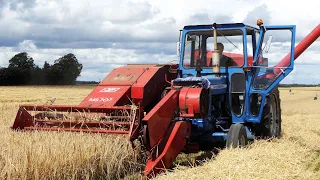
{"x":58,"y":155}
{"x":62,"y":155}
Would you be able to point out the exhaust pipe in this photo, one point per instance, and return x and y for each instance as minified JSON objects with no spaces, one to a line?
{"x":215,"y":54}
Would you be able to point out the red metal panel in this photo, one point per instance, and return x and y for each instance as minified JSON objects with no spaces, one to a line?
{"x":168,"y":149}
{"x":150,"y":84}
{"x":147,"y":83}
{"x":107,"y":96}
{"x":193,"y":98}
{"x":182,"y":99}
{"x":138,"y":88}
{"x":124,"y":76}
{"x":23,"y":118}
{"x":189,"y":98}
{"x":159,"y":118}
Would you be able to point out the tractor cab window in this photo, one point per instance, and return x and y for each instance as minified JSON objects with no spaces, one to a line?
{"x":199,"y":46}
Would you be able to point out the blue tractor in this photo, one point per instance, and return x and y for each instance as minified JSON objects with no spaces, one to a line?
{"x":241,"y":85}
{"x":227,"y":88}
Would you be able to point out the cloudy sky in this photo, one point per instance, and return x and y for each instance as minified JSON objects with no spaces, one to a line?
{"x":105,"y":34}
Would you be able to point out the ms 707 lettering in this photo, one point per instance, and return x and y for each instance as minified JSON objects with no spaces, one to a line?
{"x":100,"y":99}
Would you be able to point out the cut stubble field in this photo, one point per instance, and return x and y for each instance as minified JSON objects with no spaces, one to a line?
{"x":62,"y":155}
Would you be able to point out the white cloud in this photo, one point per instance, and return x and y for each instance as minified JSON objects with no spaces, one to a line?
{"x":105,"y":34}
{"x":27,"y":45}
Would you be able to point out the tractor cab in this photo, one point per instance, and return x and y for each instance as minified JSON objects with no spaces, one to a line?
{"x":220,"y":50}
{"x":240,"y":66}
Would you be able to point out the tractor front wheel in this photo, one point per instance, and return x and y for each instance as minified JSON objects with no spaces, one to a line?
{"x":237,"y":136}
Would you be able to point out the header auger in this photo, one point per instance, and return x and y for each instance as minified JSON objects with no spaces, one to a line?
{"x":223,"y":91}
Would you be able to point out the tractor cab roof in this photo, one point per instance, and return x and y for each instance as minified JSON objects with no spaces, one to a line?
{"x":229,"y":25}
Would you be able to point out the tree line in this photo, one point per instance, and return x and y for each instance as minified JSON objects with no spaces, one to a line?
{"x":22,"y":71}
{"x":299,"y":85}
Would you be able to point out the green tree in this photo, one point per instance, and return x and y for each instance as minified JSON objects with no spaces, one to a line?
{"x":22,"y":61}
{"x":46,"y":65}
{"x":65,"y":70}
{"x":20,"y":68}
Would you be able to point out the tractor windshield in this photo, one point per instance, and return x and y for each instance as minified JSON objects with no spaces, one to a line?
{"x":199,"y":46}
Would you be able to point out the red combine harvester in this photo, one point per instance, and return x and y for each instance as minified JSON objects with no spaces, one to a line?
{"x":195,"y":105}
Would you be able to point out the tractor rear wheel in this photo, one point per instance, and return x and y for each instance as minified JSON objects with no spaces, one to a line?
{"x":270,"y":126}
{"x":237,"y":136}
